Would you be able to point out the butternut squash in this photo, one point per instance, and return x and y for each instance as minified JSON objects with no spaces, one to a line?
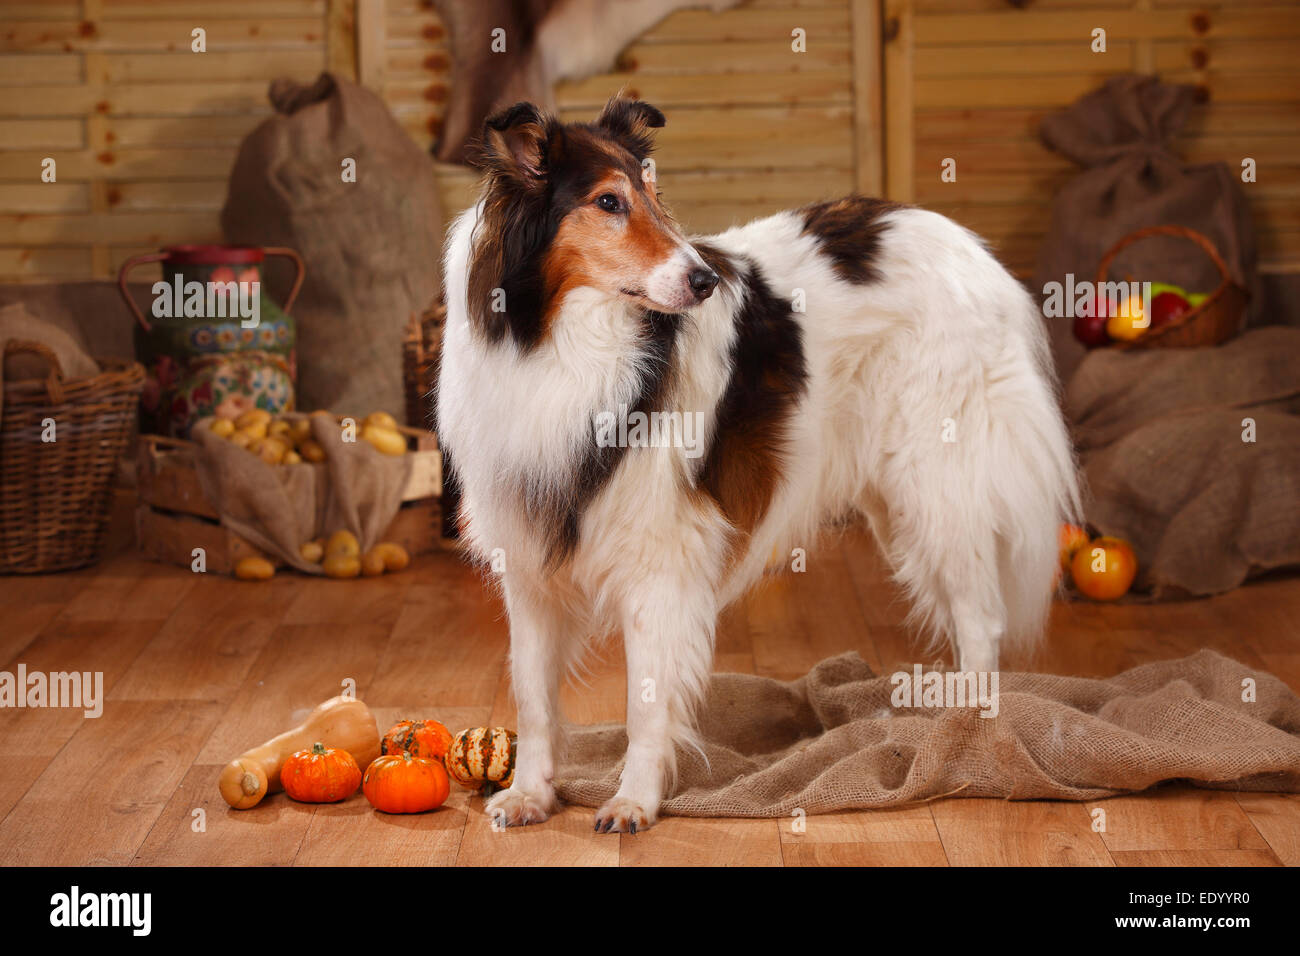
{"x":343,"y":723}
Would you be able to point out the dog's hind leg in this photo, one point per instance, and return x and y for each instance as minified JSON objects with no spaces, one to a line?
{"x":943,"y":545}
{"x":541,"y":643}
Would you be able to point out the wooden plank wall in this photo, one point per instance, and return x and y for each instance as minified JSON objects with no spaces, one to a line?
{"x":753,"y":127}
{"x":971,"y":79}
{"x":143,"y":130}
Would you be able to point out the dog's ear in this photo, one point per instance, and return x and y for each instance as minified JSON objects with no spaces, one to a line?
{"x":631,"y":122}
{"x":514,"y":144}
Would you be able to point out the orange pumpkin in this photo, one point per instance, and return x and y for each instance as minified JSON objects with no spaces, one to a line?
{"x":404,"y":784}
{"x":419,"y":738}
{"x":482,"y":758}
{"x":320,"y":775}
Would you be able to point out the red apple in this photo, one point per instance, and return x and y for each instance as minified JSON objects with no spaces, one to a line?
{"x":1168,"y":307}
{"x":1090,"y":327}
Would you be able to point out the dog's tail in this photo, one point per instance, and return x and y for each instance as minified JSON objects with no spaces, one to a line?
{"x":1039,"y":492}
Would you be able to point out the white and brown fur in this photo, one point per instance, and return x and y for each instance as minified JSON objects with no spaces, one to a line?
{"x":911,"y":327}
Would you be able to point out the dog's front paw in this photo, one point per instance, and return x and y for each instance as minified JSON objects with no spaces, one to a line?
{"x":623,"y":815}
{"x":517,"y":808}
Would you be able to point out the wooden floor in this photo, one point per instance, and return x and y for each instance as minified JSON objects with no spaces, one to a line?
{"x":198,"y":668}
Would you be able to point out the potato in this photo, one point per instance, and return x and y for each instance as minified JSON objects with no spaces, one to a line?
{"x":311,"y":451}
{"x":291,"y":457}
{"x":394,"y":555}
{"x":384,"y":439}
{"x":312,"y":551}
{"x":242,"y":439}
{"x":342,"y":565}
{"x":254,"y":569}
{"x":280,"y":429}
{"x":381,"y":420}
{"x":222,"y":427}
{"x":343,"y":543}
{"x":254,"y":431}
{"x":270,"y":450}
{"x":300,"y":429}
{"x":254,"y":416}
{"x":372,"y":563}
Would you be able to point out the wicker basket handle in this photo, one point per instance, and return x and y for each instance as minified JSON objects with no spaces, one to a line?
{"x":53,"y":381}
{"x":1182,"y":232}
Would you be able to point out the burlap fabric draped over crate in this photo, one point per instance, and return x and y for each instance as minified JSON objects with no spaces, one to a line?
{"x":278,"y":507}
{"x":832,"y":741}
{"x":371,"y":246}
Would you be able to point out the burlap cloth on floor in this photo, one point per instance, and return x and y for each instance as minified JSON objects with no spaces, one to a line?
{"x":278,"y":507}
{"x":832,"y":741}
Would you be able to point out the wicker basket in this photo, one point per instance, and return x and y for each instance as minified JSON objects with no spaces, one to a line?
{"x":56,"y":496}
{"x":420,"y":351}
{"x":1213,"y":322}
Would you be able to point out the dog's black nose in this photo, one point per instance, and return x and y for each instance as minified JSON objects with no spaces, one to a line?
{"x":703,"y":282}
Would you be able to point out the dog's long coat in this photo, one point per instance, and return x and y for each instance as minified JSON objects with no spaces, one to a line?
{"x":855,"y":356}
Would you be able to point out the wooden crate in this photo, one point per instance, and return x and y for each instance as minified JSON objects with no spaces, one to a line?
{"x":174,"y":516}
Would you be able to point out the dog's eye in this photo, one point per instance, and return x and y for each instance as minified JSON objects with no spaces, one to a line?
{"x":609,"y":202}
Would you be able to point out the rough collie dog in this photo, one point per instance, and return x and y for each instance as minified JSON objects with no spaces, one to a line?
{"x":850,"y":356}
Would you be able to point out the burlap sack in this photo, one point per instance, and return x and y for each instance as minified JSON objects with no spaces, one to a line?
{"x":1160,"y":437}
{"x":17,"y":324}
{"x":371,"y":247}
{"x":831,"y":740}
{"x":1131,"y":179}
{"x":278,"y":507}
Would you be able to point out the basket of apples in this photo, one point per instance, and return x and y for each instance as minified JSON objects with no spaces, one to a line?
{"x":1178,"y":319}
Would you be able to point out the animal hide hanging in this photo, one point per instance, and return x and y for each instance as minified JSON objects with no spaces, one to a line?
{"x":508,"y":51}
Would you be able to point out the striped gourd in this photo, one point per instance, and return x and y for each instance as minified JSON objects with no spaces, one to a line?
{"x":482,"y":758}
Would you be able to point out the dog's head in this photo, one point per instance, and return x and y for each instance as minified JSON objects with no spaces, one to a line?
{"x":574,"y":205}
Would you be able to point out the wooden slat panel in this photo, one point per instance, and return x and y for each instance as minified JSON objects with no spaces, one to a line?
{"x":179,"y":131}
{"x":711,"y":91}
{"x":19,"y":69}
{"x":1076,"y":26}
{"x":206,"y":194}
{"x":205,"y":10}
{"x":750,"y":23}
{"x":150,"y":34}
{"x":1035,"y":59}
{"x":900,"y":104}
{"x":158,"y":99}
{"x":998,"y":91}
{"x":742,"y":56}
{"x":215,"y":66}
{"x":30,"y":263}
{"x":998,"y":124}
{"x":1239,"y":56}
{"x":154,"y":228}
{"x":39,"y":133}
{"x":46,"y":198}
{"x":413,"y":31}
{"x":209,"y":164}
